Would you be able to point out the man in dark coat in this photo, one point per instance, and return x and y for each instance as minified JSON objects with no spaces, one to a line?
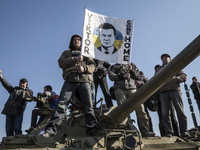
{"x":171,"y":92}
{"x":172,"y":114}
{"x":15,"y":105}
{"x":100,"y":78}
{"x":195,"y":86}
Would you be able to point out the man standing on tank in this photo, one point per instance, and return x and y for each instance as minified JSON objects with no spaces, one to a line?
{"x":195,"y":86}
{"x":124,"y":77}
{"x":100,"y":78}
{"x":15,"y":106}
{"x":171,"y":92}
{"x":172,"y":114}
{"x":77,"y":72}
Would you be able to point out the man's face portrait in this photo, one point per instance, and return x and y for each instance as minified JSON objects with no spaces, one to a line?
{"x":23,"y":85}
{"x":107,"y":37}
{"x":77,"y":42}
{"x":165,"y":60}
{"x":195,"y":80}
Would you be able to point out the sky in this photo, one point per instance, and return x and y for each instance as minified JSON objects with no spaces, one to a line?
{"x":34,"y":33}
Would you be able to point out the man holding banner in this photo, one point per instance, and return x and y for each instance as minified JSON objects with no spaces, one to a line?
{"x":109,"y":39}
{"x":77,"y":72}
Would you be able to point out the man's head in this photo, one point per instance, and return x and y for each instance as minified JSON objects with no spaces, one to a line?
{"x":47,"y":88}
{"x":75,"y":42}
{"x":165,"y":58}
{"x":141,"y":73}
{"x":107,"y":33}
{"x":194,"y":79}
{"x":23,"y":83}
{"x":157,"y":67}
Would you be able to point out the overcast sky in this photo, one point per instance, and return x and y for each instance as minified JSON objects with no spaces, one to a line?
{"x":34,"y":33}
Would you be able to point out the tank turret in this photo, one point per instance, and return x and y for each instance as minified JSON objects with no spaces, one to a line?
{"x":116,"y":131}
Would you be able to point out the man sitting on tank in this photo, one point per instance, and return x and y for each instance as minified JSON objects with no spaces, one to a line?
{"x":77,"y":72}
{"x":44,"y":114}
{"x":124,"y":77}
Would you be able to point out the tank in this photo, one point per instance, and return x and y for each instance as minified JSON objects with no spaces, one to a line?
{"x":117,"y":131}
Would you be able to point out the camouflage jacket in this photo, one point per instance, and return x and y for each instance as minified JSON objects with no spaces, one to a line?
{"x":116,"y":73}
{"x":69,"y":66}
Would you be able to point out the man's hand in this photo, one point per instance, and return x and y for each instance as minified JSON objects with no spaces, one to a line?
{"x":81,"y":69}
{"x":127,"y":75}
{"x":130,"y":67}
{"x":105,"y":73}
{"x":28,"y":94}
{"x":1,"y":74}
{"x":79,"y":58}
{"x":138,"y":83}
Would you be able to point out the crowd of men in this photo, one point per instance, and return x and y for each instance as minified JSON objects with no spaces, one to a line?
{"x":80,"y":73}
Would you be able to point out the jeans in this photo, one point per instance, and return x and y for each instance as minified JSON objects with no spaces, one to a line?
{"x":67,"y":92}
{"x":35,"y":114}
{"x":13,"y":124}
{"x":173,"y":119}
{"x":175,"y":97}
{"x":104,"y":87}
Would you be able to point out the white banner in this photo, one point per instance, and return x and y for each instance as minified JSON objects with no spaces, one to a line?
{"x":106,"y":38}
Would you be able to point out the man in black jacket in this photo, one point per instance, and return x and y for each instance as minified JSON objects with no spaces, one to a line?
{"x":15,"y":105}
{"x":195,"y":86}
{"x":100,"y":78}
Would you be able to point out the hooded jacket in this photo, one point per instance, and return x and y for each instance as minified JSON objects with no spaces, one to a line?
{"x":16,"y":103}
{"x":67,"y":62}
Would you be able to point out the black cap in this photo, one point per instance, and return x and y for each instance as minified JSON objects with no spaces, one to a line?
{"x":167,"y":55}
{"x":23,"y":80}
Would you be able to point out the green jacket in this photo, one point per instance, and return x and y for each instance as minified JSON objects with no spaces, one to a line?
{"x":69,"y":66}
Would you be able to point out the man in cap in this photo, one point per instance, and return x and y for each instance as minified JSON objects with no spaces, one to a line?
{"x":172,"y":114}
{"x":77,"y":72}
{"x":171,"y":92}
{"x":15,"y":105}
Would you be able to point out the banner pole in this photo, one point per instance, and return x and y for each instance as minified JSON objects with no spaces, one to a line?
{"x":83,"y":29}
{"x":132,"y":41}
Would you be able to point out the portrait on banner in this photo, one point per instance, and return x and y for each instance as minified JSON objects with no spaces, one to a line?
{"x":106,"y":38}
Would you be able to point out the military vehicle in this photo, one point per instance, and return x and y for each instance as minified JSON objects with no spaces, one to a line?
{"x":116,"y":133}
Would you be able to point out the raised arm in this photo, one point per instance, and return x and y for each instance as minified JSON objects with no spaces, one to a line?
{"x":5,"y":84}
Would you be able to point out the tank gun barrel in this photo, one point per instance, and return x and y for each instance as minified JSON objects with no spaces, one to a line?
{"x":186,"y":56}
